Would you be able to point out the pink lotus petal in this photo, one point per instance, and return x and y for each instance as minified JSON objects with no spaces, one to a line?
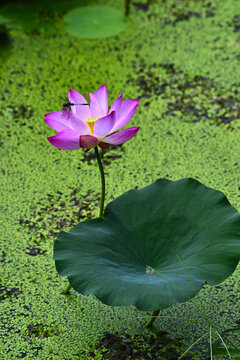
{"x":116,"y":105}
{"x":65,"y":140}
{"x":103,"y":145}
{"x":104,"y":125}
{"x":78,"y":125}
{"x":82,"y":111}
{"x":56,"y":121}
{"x":121,"y":136}
{"x":95,"y":108}
{"x":88,"y":141}
{"x":128,"y":108}
{"x":99,"y":102}
{"x":102,"y":98}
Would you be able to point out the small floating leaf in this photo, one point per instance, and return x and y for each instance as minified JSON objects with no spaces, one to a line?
{"x":94,"y":22}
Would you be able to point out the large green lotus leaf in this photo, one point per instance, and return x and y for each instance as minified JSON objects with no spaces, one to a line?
{"x":94,"y":22}
{"x":181,"y":229}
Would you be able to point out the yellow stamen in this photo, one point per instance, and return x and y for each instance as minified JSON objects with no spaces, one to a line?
{"x":91,"y":121}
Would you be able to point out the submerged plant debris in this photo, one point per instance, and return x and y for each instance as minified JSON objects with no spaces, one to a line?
{"x":50,"y":215}
{"x":41,"y":330}
{"x":152,"y":346}
{"x":188,"y":99}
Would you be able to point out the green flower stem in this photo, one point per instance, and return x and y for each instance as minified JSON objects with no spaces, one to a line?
{"x":152,"y":318}
{"x":102,"y":180}
{"x":68,"y":288}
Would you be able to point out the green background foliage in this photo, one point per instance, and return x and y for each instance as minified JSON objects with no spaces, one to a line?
{"x":181,"y":59}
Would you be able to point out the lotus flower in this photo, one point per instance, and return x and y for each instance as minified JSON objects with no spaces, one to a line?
{"x":88,"y":126}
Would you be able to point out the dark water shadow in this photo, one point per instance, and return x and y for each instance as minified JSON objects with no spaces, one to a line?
{"x":5,"y":46}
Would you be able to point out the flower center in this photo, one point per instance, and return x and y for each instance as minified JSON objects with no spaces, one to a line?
{"x":91,"y":121}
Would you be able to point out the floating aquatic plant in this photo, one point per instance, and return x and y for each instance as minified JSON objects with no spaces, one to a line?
{"x":94,"y":22}
{"x":151,"y":247}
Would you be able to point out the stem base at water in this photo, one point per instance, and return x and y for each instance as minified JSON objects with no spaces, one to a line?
{"x":152,"y":318}
{"x":68,"y":288}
